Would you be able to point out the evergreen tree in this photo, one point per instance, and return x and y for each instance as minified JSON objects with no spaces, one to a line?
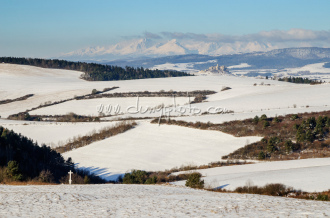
{"x":13,"y":171}
{"x":256,"y":119}
{"x":266,"y":124}
{"x":288,"y":146}
{"x":263,"y":117}
{"x":272,"y":142}
{"x":135,"y":177}
{"x":276,"y":120}
{"x":194,"y":181}
{"x":309,"y":136}
{"x":261,"y":155}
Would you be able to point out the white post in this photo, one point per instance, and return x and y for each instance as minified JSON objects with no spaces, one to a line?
{"x":70,"y":177}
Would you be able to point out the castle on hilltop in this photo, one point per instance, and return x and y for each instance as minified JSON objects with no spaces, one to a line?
{"x":216,"y":69}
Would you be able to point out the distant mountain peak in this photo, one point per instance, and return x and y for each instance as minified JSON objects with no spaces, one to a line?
{"x":144,"y":47}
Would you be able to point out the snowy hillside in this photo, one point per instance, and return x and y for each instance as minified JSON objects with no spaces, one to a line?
{"x":53,"y":134}
{"x":53,"y":85}
{"x":153,"y":148}
{"x":315,"y":71}
{"x":91,"y":107}
{"x":307,"y":175}
{"x":179,"y":108}
{"x":147,"y":201}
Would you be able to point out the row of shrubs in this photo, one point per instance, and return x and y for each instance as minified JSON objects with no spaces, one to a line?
{"x":194,"y":180}
{"x":143,"y":177}
{"x":104,"y":133}
{"x":7,"y":101}
{"x":70,"y":117}
{"x":197,"y":93}
{"x":200,"y":95}
{"x":197,"y":125}
{"x":277,"y":189}
{"x":166,"y":176}
{"x":206,"y":166}
{"x":26,"y":116}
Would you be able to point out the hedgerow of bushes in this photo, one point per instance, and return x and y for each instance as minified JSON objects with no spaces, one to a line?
{"x":277,"y":189}
{"x":104,"y":133}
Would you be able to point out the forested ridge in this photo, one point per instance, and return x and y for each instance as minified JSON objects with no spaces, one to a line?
{"x":21,"y":159}
{"x":95,"y":72}
{"x":300,"y":80}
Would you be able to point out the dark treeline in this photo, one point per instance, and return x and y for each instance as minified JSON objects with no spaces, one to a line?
{"x":299,"y":80}
{"x":7,"y":101}
{"x":23,"y":160}
{"x":95,"y":72}
{"x":161,"y":93}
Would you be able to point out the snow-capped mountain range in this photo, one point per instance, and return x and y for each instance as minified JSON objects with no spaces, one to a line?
{"x":193,"y":56}
{"x":150,"y":48}
{"x":274,"y":59}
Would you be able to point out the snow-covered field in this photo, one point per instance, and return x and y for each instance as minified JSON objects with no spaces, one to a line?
{"x":312,"y":71}
{"x":111,"y":106}
{"x":307,"y":174}
{"x":242,"y":65}
{"x":147,"y":201}
{"x":307,"y":70}
{"x":62,"y":84}
{"x":53,"y":134}
{"x":221,"y":118}
{"x":247,"y":101}
{"x":151,"y":147}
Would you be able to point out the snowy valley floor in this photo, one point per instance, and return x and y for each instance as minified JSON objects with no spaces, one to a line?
{"x":147,"y":201}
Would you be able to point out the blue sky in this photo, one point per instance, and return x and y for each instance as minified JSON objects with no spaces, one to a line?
{"x":41,"y":28}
